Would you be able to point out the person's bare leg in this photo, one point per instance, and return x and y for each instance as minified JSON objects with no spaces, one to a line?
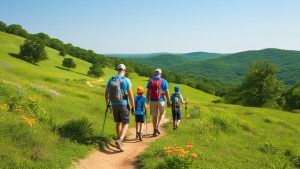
{"x":141,"y":127}
{"x":177,"y":124}
{"x":118,"y":129}
{"x":154,"y":122}
{"x":161,"y":118}
{"x":174,"y":123}
{"x":136,"y":127}
{"x":123,"y":131}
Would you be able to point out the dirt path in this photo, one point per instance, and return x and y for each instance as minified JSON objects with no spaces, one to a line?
{"x":112,"y":158}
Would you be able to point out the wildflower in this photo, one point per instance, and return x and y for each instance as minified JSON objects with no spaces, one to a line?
{"x":194,"y":156}
{"x":27,"y":120}
{"x":189,"y":145}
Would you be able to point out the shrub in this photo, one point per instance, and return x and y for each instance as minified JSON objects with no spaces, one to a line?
{"x":33,"y":51}
{"x":78,"y":130}
{"x":268,"y":148}
{"x":296,"y":161}
{"x":96,"y":70}
{"x":68,"y":63}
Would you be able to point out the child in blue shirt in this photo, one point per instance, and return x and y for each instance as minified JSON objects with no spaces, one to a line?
{"x":176,"y":101}
{"x":140,"y":107}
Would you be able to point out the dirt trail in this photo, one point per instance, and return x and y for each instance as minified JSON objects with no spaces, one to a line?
{"x":112,"y":158}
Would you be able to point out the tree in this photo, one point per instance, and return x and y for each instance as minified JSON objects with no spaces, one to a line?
{"x":68,"y":63}
{"x":42,"y":37}
{"x":96,"y":70}
{"x":261,"y":88}
{"x":2,"y":26}
{"x":33,"y":51}
{"x":293,"y":97}
{"x":17,"y":30}
{"x":62,"y":52}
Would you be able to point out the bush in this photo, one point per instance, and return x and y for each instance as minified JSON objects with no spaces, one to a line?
{"x":33,"y":51}
{"x":68,"y":63}
{"x":78,"y":130}
{"x":96,"y":70}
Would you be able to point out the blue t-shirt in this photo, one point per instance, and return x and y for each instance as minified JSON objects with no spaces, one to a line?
{"x":173,"y":95}
{"x":140,"y":101}
{"x":164,"y":86}
{"x":126,"y":84}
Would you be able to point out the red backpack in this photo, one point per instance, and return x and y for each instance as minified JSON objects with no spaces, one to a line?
{"x":155,"y":86}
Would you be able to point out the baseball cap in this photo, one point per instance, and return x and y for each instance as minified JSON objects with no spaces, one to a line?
{"x":177,"y":88}
{"x":122,"y":66}
{"x":158,"y":71}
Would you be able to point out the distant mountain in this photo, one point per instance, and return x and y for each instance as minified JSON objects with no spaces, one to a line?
{"x":202,"y":55}
{"x":169,"y":60}
{"x":142,"y":55}
{"x":165,"y":61}
{"x":232,"y":67}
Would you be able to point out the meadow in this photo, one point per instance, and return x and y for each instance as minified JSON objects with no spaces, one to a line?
{"x":37,"y":99}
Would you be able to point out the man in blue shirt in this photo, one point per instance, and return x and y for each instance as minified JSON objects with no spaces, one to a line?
{"x":157,"y":89}
{"x":116,"y":89}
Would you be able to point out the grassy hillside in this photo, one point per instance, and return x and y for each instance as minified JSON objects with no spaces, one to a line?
{"x":49,"y":93}
{"x":231,"y":68}
{"x":225,"y":136}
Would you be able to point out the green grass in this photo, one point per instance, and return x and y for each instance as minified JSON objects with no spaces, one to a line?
{"x":225,"y":136}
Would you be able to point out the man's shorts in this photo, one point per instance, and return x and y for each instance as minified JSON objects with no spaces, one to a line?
{"x":140,"y":118}
{"x":156,"y":107}
{"x":176,"y":115}
{"x":121,"y":113}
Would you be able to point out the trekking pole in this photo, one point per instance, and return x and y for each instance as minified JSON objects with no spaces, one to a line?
{"x":185,"y":116}
{"x":146,"y":123}
{"x":105,"y":114}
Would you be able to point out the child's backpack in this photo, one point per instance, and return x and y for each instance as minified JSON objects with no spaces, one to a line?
{"x":139,"y":104}
{"x":155,"y":86}
{"x":116,"y":94}
{"x":176,"y":102}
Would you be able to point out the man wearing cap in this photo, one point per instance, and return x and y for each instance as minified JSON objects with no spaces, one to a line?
{"x":157,"y":89}
{"x":116,"y":89}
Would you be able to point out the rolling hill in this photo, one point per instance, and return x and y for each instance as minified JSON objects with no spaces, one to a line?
{"x":224,"y":136}
{"x":232,"y":68}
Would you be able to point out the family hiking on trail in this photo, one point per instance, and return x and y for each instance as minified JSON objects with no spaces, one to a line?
{"x":119,"y":91}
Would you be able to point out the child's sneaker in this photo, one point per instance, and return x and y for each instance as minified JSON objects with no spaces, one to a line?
{"x":140,"y":136}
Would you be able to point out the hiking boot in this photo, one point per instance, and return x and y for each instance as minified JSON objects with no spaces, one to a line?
{"x":119,"y":144}
{"x":154,"y":133}
{"x":157,"y":131}
{"x":140,"y":136}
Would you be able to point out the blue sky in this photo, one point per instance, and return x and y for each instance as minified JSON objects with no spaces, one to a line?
{"x":145,"y":26}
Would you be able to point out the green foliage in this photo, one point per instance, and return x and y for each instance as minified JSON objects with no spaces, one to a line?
{"x":78,"y":130}
{"x":175,"y":162}
{"x":259,"y":88}
{"x":68,"y":63}
{"x":32,"y":51}
{"x":231,"y":68}
{"x":2,"y":26}
{"x":17,"y":30}
{"x":62,"y":52}
{"x":96,"y":70}
{"x":268,"y":148}
{"x":293,"y":97}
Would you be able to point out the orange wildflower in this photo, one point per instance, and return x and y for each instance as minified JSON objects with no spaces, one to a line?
{"x":189,"y":145}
